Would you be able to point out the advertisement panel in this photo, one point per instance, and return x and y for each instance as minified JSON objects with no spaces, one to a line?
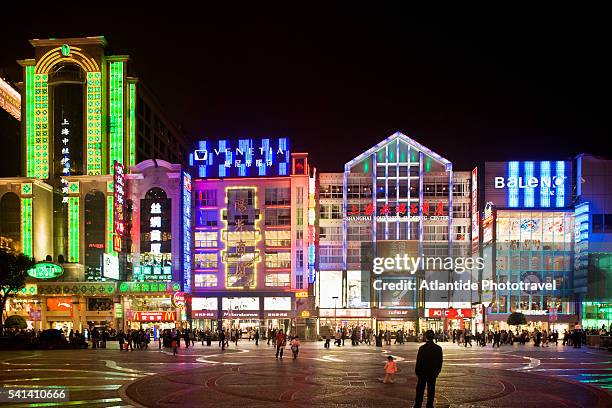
{"x":59,"y":304}
{"x":111,"y":266}
{"x":450,"y":313}
{"x":277,"y":303}
{"x":242,"y":158}
{"x":154,"y":316}
{"x":529,"y":184}
{"x":240,"y":303}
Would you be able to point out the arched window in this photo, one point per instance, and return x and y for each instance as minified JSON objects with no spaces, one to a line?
{"x":95,"y":210}
{"x":10,"y":217}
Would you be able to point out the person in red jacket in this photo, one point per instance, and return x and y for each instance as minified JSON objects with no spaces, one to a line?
{"x":280,"y":343}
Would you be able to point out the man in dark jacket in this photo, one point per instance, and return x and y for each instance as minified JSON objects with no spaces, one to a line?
{"x":427,"y":369}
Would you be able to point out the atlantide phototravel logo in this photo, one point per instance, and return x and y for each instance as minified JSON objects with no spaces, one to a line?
{"x":398,"y":212}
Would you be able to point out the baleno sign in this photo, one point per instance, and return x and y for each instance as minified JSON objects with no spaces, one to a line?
{"x":45,"y":270}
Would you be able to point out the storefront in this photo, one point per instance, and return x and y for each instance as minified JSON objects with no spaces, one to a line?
{"x":27,"y":305}
{"x":595,"y":315}
{"x":397,"y":319}
{"x":149,"y":305}
{"x":332,"y":320}
{"x":447,"y":319}
{"x":536,"y":319}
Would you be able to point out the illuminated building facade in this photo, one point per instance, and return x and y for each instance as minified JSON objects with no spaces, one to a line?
{"x":593,"y":240}
{"x":397,"y":192}
{"x":82,"y":114}
{"x":251,"y":236}
{"x":528,"y":236}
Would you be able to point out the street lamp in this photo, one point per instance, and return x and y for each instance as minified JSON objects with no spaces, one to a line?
{"x":335,"y":307}
{"x":484,"y":315}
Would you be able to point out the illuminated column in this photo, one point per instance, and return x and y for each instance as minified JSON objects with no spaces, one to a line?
{"x":37,"y":124}
{"x":116,"y":113}
{"x":26,"y":219}
{"x":94,"y":123}
{"x":132,"y":123}
{"x":109,"y":223}
{"x":73,"y":223}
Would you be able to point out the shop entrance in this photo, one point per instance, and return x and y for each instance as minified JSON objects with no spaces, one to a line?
{"x":394,"y":325}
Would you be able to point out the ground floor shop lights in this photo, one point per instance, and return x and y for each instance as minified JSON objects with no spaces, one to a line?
{"x":73,"y":229}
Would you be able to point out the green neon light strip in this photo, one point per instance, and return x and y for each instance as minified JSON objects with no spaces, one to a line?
{"x":94,"y":123}
{"x":132,"y":134}
{"x":37,"y":127}
{"x":109,"y":224}
{"x":30,"y":147}
{"x":26,"y":226}
{"x":73,"y":229}
{"x":116,"y":114}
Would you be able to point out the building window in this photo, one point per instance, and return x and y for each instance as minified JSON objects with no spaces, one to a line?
{"x":299,"y":281}
{"x":277,"y":279}
{"x":205,"y":280}
{"x":278,"y":216}
{"x":359,"y":233}
{"x":245,"y":195}
{"x":205,"y":261}
{"x":330,"y":254}
{"x":277,"y":260}
{"x":330,"y":234}
{"x":208,"y":218}
{"x":206,"y":198}
{"x":206,"y":239}
{"x":278,"y":238}
{"x":353,"y":255}
{"x":278,"y":196}
{"x":300,"y":216}
{"x":330,"y":211}
{"x":300,"y":194}
{"x":330,"y":191}
{"x":299,"y":259}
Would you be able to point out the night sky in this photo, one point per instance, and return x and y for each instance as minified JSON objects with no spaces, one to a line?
{"x":339,"y":79}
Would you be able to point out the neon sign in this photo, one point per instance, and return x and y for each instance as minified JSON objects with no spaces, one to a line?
{"x":119,"y":205}
{"x":475,"y":226}
{"x":242,"y":158}
{"x":65,"y":161}
{"x":10,"y":100}
{"x":186,"y":232}
{"x":397,"y":212}
{"x":45,"y":270}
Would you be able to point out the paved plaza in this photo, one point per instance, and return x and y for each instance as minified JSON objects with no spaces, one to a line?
{"x":250,"y":376}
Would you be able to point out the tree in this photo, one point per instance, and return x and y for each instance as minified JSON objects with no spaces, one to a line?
{"x":15,"y":321}
{"x":13,"y":269}
{"x":516,"y":319}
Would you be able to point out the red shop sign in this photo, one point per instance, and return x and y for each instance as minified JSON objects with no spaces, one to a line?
{"x":154,"y":316}
{"x":449,"y":313}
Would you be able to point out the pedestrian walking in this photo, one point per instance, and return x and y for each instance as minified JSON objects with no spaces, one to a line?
{"x":295,"y":347}
{"x":256,"y":336}
{"x":390,"y":370}
{"x":280,"y":343}
{"x":427,"y":368}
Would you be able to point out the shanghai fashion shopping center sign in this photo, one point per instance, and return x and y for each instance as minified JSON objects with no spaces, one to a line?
{"x":45,"y":270}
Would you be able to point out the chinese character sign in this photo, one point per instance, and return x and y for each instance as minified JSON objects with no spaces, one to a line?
{"x":119,"y":205}
{"x":65,"y":160}
{"x":155,"y":226}
{"x":186,"y":231}
{"x":242,"y":158}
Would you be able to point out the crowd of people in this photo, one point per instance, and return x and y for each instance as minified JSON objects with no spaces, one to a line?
{"x":540,"y":338}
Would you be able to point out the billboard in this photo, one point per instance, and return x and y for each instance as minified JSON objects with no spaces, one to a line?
{"x":241,"y":158}
{"x":111,"y":266}
{"x":529,"y":184}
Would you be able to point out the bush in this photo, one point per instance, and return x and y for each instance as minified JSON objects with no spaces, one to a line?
{"x":516,"y":319}
{"x":15,"y":322}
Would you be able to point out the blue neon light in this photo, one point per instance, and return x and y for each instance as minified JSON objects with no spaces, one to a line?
{"x":513,"y":192}
{"x":529,"y":191}
{"x":186,"y":198}
{"x":242,"y":158}
{"x":560,"y":184}
{"x":544,"y":188}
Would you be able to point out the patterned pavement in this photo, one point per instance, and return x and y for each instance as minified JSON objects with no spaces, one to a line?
{"x":511,"y":376}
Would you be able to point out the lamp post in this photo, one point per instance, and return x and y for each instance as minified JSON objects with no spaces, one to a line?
{"x":484,"y":315}
{"x":335,"y":307}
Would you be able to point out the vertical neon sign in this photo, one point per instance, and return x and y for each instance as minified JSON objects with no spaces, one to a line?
{"x":65,"y":138}
{"x":513,"y":192}
{"x":119,"y":205}
{"x":116,"y":113}
{"x":94,"y":123}
{"x":26,"y":219}
{"x":311,"y":229}
{"x":73,"y":229}
{"x":132,"y":127}
{"x":186,"y":232}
